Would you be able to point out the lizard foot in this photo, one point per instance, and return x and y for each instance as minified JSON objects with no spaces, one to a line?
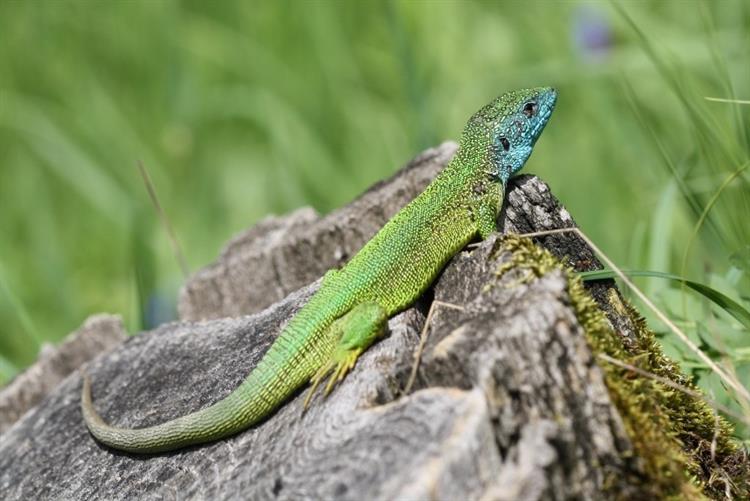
{"x":338,"y":366}
{"x":355,"y":332}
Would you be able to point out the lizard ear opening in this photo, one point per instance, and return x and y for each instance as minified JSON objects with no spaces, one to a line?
{"x":504,"y":142}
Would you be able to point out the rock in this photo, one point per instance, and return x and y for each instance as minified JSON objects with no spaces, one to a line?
{"x":99,"y":333}
{"x":508,"y":401}
{"x":442,"y":441}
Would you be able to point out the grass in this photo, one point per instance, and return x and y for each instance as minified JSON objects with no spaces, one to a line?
{"x":239,"y":110}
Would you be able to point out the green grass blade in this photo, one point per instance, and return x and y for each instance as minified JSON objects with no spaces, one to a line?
{"x":704,"y":214}
{"x":726,"y":303}
{"x":725,"y":100}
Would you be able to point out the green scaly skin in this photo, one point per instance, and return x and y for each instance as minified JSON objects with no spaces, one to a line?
{"x":387,"y":275}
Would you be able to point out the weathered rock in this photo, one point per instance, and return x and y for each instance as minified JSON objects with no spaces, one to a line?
{"x":508,"y":403}
{"x":98,"y":334}
{"x":554,"y":423}
{"x":484,"y":395}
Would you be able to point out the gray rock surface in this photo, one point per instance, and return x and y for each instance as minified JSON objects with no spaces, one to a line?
{"x":508,"y":402}
{"x":99,"y":333}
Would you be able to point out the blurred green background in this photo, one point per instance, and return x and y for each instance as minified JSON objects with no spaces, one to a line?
{"x":242,"y":109}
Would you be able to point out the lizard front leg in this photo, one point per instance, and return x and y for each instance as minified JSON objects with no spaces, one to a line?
{"x":486,"y":209}
{"x":355,"y":332}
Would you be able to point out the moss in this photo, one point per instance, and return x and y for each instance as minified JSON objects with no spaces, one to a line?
{"x":684,"y":449}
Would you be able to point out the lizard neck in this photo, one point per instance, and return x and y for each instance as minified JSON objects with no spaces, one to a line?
{"x":475,"y":181}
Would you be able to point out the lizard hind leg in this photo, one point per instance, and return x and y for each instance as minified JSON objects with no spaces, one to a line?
{"x":353,"y":333}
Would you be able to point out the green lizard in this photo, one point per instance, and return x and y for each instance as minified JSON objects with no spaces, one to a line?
{"x":351,"y":308}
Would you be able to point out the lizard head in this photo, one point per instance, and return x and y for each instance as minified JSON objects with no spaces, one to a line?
{"x":505,"y":130}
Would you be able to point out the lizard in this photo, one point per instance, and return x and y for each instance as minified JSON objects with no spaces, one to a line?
{"x":350,"y":310}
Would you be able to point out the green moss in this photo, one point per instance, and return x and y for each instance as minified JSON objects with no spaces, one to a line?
{"x":684,"y":449}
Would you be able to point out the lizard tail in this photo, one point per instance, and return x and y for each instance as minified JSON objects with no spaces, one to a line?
{"x":214,"y":422}
{"x":250,"y":403}
{"x":293,"y":358}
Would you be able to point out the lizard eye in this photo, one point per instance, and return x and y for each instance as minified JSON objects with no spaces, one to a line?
{"x":530,"y":109}
{"x":505,"y":143}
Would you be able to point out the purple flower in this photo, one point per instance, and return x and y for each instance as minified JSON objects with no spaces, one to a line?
{"x":591,"y":31}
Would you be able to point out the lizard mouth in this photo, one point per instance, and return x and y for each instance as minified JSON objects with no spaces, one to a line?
{"x":546,"y":101}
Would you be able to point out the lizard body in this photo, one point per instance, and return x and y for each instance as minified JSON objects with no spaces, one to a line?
{"x":351,"y":308}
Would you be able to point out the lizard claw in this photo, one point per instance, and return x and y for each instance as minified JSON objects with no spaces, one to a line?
{"x":338,"y":366}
